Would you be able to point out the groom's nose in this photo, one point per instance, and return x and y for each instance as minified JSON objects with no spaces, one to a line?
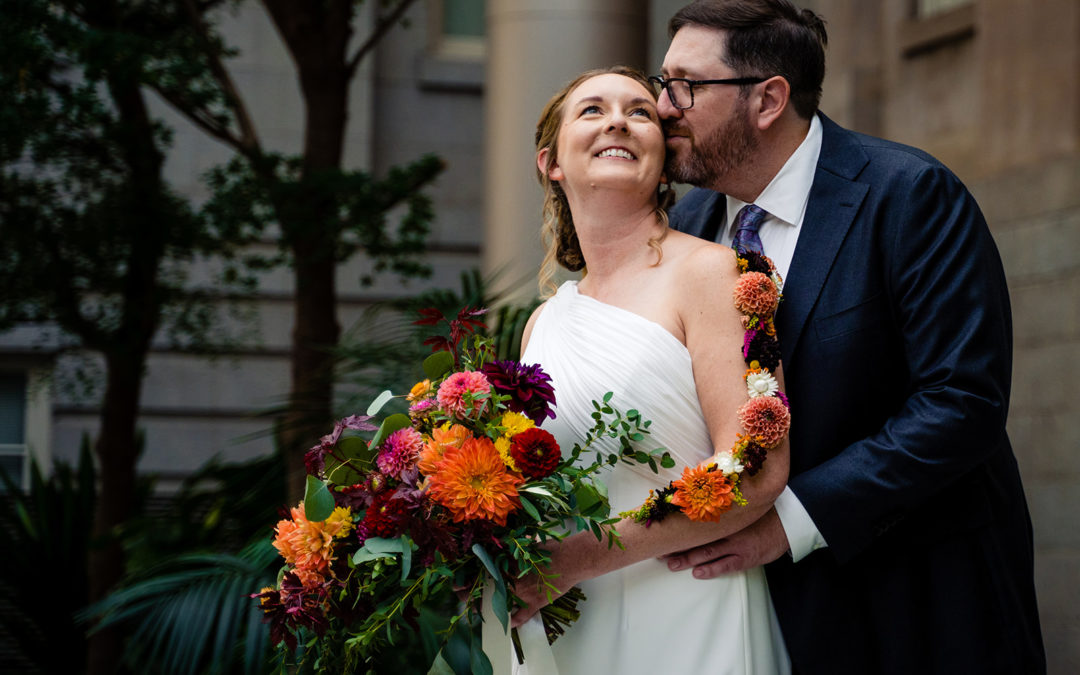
{"x":664,"y":107}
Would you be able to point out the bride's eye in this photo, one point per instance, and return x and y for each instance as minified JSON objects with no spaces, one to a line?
{"x":642,"y":111}
{"x":590,"y":110}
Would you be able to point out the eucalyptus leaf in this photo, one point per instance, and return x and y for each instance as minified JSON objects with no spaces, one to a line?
{"x":530,"y":509}
{"x":389,"y":426}
{"x":537,"y":490}
{"x":498,"y":602}
{"x":480,"y":663}
{"x":354,"y":447}
{"x":364,"y":555}
{"x":341,"y":473}
{"x":381,"y":545}
{"x":458,"y":650}
{"x":440,"y":667}
{"x":588,"y":499}
{"x":406,"y":559}
{"x":318,"y":502}
{"x":438,"y":364}
{"x":379,"y":402}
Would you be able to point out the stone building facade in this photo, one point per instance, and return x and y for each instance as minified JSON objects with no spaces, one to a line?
{"x":991,"y":87}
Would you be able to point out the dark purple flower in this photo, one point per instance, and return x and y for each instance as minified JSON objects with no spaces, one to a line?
{"x":528,"y":387}
{"x":761,"y":347}
{"x":756,"y":262}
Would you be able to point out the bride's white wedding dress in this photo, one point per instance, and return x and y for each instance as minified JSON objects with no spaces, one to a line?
{"x":645,"y":619}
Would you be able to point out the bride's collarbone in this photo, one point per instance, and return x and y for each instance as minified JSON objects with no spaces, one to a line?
{"x":646,"y":295}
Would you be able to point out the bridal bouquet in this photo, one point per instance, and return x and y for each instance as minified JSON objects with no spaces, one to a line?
{"x":405,"y":514}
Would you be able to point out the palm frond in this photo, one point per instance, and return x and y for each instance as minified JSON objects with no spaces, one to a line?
{"x":194,"y":614}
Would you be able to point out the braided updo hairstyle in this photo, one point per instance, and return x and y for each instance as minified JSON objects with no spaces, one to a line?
{"x":557,"y":229}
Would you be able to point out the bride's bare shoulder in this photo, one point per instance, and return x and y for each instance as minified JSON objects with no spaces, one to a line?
{"x":707,"y":263}
{"x":527,"y":332}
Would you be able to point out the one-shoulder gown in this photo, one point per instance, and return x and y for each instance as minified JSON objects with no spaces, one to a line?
{"x":644,"y":618}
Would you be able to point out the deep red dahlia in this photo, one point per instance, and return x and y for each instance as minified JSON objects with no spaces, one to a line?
{"x":384,"y":518}
{"x":535,"y":452}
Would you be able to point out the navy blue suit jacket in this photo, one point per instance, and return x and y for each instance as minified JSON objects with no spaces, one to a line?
{"x":896,"y":338}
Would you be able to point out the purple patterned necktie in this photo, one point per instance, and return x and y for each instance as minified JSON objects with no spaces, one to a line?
{"x":747,"y":224}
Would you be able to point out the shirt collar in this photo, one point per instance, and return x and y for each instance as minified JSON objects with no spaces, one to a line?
{"x":786,"y":195}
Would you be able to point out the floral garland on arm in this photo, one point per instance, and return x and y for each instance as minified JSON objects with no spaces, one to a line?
{"x":706,"y":491}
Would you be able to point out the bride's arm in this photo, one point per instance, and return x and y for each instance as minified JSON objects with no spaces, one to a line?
{"x":527,"y":332}
{"x":714,"y":338}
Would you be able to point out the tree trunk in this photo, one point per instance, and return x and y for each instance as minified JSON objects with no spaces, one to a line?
{"x":116,"y":451}
{"x":313,"y":227}
{"x":125,"y":354}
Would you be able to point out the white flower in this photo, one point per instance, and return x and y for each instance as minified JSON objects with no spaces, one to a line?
{"x":761,"y":384}
{"x":727,"y":464}
{"x":779,"y":282}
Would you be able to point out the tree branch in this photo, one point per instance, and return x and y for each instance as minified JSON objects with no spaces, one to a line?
{"x":381,"y":26}
{"x":248,"y":142}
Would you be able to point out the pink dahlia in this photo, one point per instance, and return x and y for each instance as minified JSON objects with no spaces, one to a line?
{"x":755,"y":293}
{"x":458,"y":394}
{"x":399,"y":451}
{"x":766,"y":419}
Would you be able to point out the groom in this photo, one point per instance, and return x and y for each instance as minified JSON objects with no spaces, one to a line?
{"x":903,"y":543}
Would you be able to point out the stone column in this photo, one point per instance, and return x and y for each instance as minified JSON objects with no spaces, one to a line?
{"x":534,"y":47}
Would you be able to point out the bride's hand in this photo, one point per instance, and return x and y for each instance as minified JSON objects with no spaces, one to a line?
{"x":536,"y":595}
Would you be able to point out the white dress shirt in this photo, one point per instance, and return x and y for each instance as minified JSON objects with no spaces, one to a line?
{"x":784,"y":199}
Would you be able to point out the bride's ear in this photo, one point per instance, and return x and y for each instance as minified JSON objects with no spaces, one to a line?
{"x":554,"y":173}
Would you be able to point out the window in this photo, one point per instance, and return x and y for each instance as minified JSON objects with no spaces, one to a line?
{"x":928,"y":8}
{"x":458,"y":27}
{"x":935,"y":24}
{"x":14,"y":460}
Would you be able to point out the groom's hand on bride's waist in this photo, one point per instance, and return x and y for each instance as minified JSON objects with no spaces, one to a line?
{"x":762,"y":542}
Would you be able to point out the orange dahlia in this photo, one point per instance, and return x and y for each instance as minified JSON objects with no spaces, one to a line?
{"x":473,"y":484}
{"x":307,"y":545}
{"x":442,"y":439}
{"x":766,"y":418}
{"x":703,"y":493}
{"x":755,"y":293}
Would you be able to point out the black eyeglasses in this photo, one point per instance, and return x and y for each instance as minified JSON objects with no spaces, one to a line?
{"x":681,"y":90}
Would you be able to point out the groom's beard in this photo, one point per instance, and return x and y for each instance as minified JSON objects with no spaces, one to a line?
{"x":710,"y":161}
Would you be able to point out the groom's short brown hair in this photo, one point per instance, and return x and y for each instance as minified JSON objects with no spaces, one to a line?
{"x":766,"y":38}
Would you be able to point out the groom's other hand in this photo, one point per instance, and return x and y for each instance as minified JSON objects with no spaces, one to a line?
{"x":762,"y":542}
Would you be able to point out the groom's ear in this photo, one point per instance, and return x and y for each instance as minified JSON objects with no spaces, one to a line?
{"x":554,"y":173}
{"x":773,"y":101}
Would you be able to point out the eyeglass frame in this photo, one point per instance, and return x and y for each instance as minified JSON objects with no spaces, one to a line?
{"x":663,"y":82}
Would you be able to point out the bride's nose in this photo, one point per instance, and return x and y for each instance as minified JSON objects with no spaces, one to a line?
{"x":617,"y":122}
{"x":617,"y":125}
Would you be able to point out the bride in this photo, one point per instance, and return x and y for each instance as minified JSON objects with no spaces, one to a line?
{"x":654,"y":322}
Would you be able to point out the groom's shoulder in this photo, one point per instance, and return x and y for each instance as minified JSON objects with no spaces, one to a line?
{"x":882,"y":155}
{"x":693,"y":209}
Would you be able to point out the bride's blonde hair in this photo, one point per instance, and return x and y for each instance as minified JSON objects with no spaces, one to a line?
{"x":560,"y":237}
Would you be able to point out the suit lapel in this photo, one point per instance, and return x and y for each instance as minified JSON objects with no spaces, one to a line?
{"x":834,"y":201}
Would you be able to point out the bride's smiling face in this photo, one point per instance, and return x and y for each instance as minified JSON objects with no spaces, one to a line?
{"x":610,"y":137}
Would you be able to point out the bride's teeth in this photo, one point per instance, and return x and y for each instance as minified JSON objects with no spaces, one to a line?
{"x":615,"y":152}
